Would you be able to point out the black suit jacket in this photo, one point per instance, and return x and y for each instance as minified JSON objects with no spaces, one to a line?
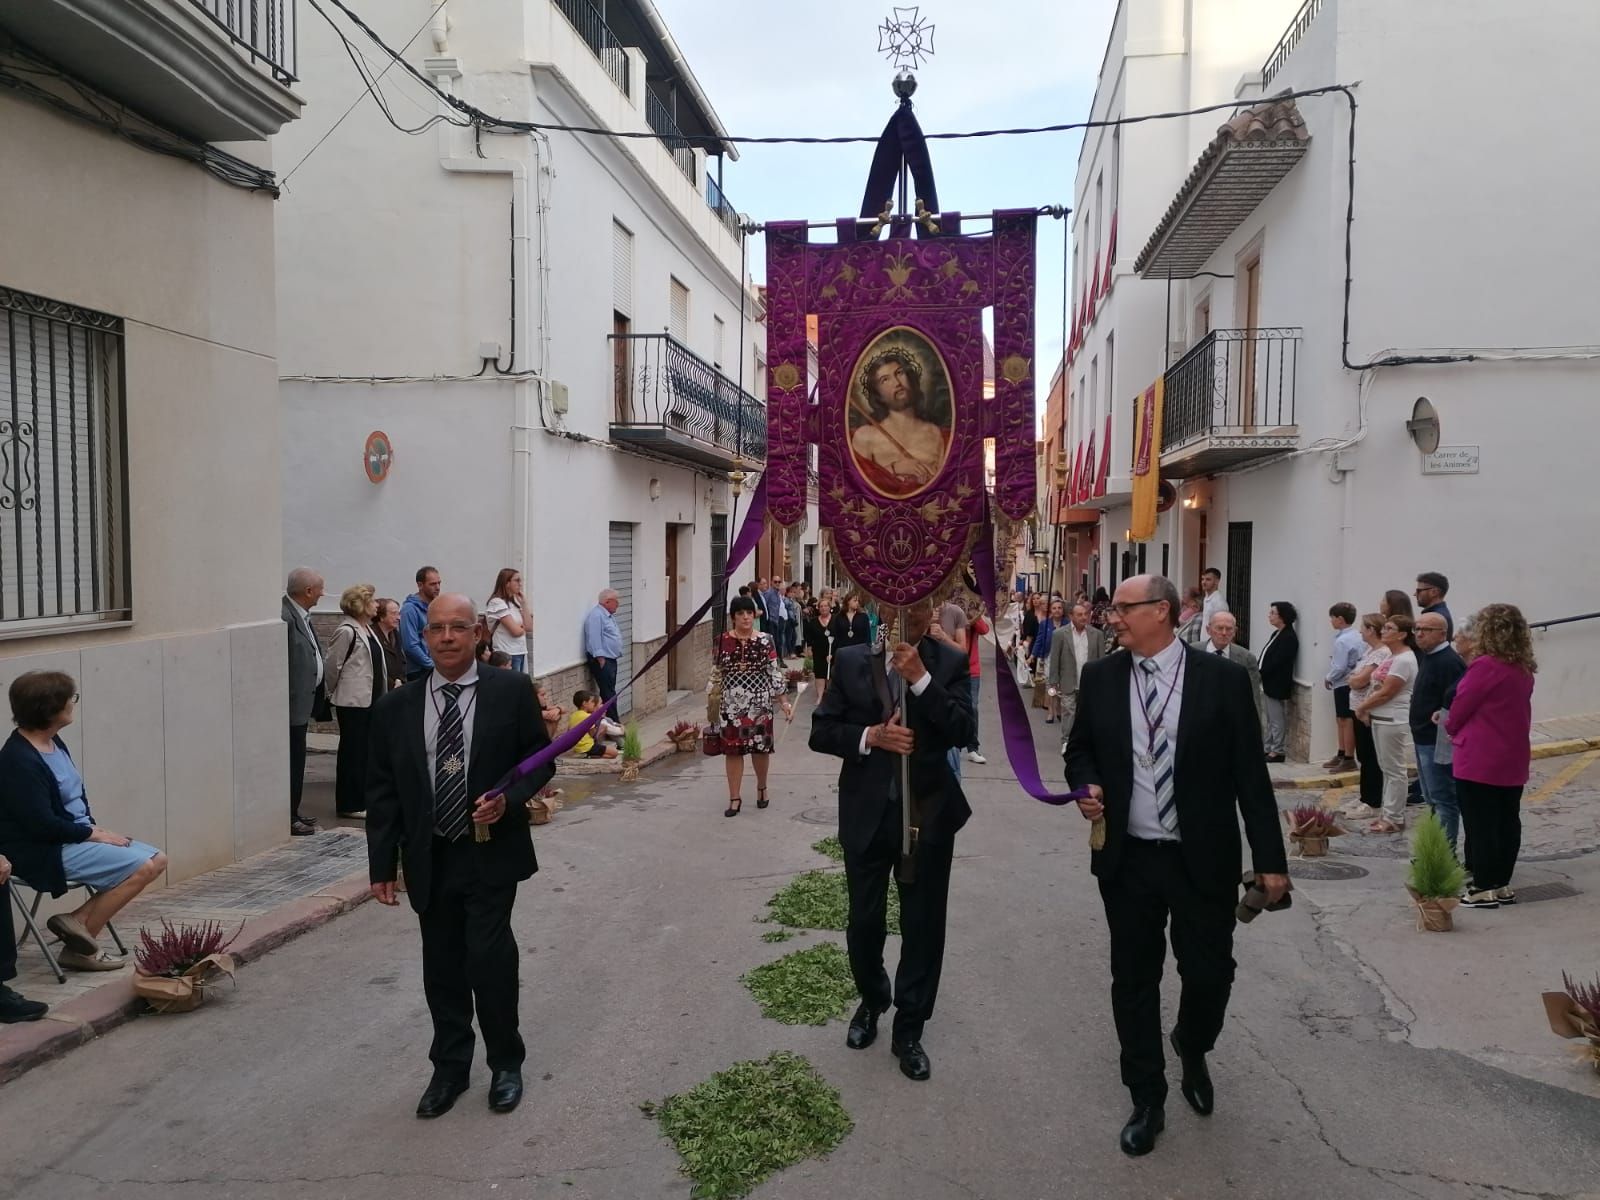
{"x":940,"y":718}
{"x":1218,"y":766}
{"x":506,"y":728}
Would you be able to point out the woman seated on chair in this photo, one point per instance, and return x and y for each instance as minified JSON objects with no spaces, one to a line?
{"x":47,"y":830}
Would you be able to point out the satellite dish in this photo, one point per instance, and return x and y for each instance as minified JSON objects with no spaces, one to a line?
{"x":1424,"y":425}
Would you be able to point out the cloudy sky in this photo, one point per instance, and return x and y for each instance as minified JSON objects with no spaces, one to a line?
{"x":814,"y":69}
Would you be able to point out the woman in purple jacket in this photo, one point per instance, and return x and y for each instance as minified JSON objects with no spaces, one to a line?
{"x":1489,"y":723}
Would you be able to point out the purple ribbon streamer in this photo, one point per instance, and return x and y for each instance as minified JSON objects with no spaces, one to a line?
{"x":749,"y":534}
{"x":1016,"y":730}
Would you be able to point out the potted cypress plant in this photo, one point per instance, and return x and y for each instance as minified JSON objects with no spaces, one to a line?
{"x":632,"y":753}
{"x":1436,"y":877}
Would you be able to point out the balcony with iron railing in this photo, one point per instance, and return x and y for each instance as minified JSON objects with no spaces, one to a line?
{"x":722,"y":206}
{"x":1230,"y":402}
{"x":671,"y":403}
{"x":586,"y":19}
{"x":660,"y":119}
{"x":1290,"y":39}
{"x":215,"y":70}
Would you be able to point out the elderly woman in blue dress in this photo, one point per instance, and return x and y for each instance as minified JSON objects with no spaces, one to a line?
{"x":48,"y":831}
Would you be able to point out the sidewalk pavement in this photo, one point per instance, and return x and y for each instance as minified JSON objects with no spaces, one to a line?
{"x":1550,"y":739}
{"x":269,"y":898}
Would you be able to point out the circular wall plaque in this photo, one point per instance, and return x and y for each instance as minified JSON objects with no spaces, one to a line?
{"x":378,"y":456}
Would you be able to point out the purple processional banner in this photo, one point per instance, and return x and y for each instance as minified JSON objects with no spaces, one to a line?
{"x":901,"y":414}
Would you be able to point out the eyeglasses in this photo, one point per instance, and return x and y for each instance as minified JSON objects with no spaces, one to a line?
{"x":1124,"y":608}
{"x":454,"y":627}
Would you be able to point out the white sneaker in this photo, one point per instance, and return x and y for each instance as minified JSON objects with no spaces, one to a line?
{"x":974,"y":757}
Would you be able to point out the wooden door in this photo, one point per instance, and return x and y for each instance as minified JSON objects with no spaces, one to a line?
{"x":622,"y":374}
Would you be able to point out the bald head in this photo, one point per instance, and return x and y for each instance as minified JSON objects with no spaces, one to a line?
{"x":452,"y":634}
{"x":1222,"y":627}
{"x":304,"y":587}
{"x":610,"y":600}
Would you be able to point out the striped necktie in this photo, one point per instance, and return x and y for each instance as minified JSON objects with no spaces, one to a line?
{"x":1160,"y":752}
{"x":450,"y":769}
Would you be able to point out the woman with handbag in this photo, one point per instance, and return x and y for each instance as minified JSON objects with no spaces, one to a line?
{"x":356,"y":677}
{"x":509,"y":619}
{"x":745,"y":682}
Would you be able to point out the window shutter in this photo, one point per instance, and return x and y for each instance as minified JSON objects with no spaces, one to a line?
{"x":621,"y":269}
{"x":679,"y":317}
{"x":719,"y":336}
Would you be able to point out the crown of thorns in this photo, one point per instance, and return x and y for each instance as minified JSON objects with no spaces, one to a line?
{"x":906,"y":360}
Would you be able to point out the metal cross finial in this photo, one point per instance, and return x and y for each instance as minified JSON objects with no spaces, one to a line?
{"x":906,"y":39}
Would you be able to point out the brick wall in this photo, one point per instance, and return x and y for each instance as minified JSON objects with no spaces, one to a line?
{"x":650,"y":692}
{"x":694,"y":658}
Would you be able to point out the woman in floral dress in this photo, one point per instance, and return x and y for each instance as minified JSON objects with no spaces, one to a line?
{"x":747,"y":670}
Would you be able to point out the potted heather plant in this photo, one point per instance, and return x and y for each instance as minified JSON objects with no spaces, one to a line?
{"x":632,"y":753}
{"x":1575,"y":1013}
{"x":1310,"y":827}
{"x":174,"y":966}
{"x":685,"y":736}
{"x":1436,"y":877}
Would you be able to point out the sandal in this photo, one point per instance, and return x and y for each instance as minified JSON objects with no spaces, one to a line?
{"x":761,"y":798}
{"x":1383,"y":826}
{"x":733,"y":807}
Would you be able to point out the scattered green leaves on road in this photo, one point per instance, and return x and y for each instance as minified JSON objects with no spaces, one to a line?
{"x":820,"y":900}
{"x":778,"y":935}
{"x":808,"y":987}
{"x":829,"y":847}
{"x":750,"y":1121}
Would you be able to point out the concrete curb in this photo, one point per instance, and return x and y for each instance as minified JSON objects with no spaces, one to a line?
{"x":83,"y":1018}
{"x":1557,"y":749}
{"x":566,"y":765}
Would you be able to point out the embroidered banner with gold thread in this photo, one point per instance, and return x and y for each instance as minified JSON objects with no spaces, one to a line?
{"x":901,"y":418}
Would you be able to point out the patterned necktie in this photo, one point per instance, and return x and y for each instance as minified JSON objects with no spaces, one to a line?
{"x":1160,"y":755}
{"x":450,"y":769}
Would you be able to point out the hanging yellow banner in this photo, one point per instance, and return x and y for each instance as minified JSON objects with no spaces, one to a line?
{"x":1147,"y":460}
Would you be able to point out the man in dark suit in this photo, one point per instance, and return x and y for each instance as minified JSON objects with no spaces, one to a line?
{"x":882,"y":703}
{"x":1168,"y":743}
{"x":436,"y":744}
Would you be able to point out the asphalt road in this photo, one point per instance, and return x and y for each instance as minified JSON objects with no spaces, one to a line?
{"x":301,"y":1083}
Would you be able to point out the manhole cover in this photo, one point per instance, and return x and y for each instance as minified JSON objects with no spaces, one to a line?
{"x":818,"y":816}
{"x":1546,"y":891}
{"x":1324,"y":868}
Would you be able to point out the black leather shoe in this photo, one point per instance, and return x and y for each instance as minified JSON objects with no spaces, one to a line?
{"x":505,"y":1091}
{"x":863,"y":1029}
{"x":1196,"y":1083}
{"x":913,"y":1058}
{"x":15,"y":1007}
{"x":440,"y":1097}
{"x":1139,"y":1134}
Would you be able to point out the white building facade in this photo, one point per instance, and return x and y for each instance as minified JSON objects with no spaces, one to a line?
{"x":550,"y":330}
{"x":1294,"y":428}
{"x":139,"y":499}
{"x":1161,"y":56}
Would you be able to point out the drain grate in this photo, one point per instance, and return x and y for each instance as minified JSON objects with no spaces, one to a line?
{"x":818,"y":816}
{"x":1323,"y":868}
{"x":1546,"y":891}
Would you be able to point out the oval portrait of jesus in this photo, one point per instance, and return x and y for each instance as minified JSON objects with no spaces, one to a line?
{"x":900,"y":413}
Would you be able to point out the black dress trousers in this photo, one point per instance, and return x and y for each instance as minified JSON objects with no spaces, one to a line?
{"x":922,"y":924}
{"x":1150,"y":886}
{"x":469,"y":961}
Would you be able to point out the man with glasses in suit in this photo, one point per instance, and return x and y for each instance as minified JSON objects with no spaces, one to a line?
{"x":1168,"y":743}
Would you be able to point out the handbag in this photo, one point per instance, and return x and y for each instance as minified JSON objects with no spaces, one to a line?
{"x":711,"y":743}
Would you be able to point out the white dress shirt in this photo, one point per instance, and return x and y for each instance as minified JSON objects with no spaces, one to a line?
{"x":916,"y":689}
{"x":1142,"y":819}
{"x":1213,"y":604}
{"x":1211,"y":648}
{"x":434,"y":709}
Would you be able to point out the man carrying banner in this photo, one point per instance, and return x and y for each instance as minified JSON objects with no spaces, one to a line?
{"x":883,"y":703}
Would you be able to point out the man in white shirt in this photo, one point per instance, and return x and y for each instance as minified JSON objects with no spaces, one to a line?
{"x":1213,"y":601}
